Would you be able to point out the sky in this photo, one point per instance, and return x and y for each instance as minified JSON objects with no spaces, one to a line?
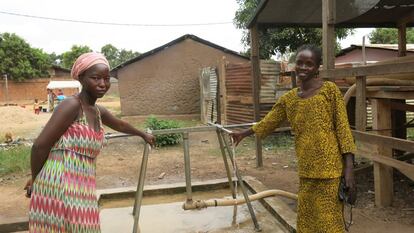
{"x":58,"y":36}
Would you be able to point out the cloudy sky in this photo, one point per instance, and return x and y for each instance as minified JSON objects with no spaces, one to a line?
{"x":213,"y":19}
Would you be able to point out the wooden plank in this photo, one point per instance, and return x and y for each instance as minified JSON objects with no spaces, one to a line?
{"x":395,"y":143}
{"x":254,"y":45}
{"x":402,"y":95}
{"x":383,"y":174}
{"x":361,"y":105}
{"x":402,"y":107}
{"x":390,"y":88}
{"x":369,"y":70}
{"x":405,"y":168}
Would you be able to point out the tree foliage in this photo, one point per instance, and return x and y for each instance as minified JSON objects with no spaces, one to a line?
{"x":116,"y":56}
{"x":389,"y":36}
{"x":69,"y":57}
{"x":19,"y":60}
{"x":55,"y":59}
{"x":279,"y":40}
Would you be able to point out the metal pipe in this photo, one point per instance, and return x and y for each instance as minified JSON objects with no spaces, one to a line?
{"x":220,"y":127}
{"x":199,"y":204}
{"x":188,"y":129}
{"x":187,"y":167}
{"x":226,"y":164}
{"x":243,"y":188}
{"x":140,"y":188}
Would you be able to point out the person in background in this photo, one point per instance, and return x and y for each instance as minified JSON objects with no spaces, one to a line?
{"x":323,"y":142}
{"x":60,"y":92}
{"x":36,"y":107}
{"x":63,"y":157}
{"x":60,"y":96}
{"x":51,"y":100}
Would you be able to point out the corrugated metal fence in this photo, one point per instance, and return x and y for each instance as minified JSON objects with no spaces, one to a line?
{"x":208,"y":97}
{"x":238,"y":101}
{"x":239,"y":104}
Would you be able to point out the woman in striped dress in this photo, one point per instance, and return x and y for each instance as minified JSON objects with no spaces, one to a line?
{"x":323,"y":143}
{"x":63,"y":158}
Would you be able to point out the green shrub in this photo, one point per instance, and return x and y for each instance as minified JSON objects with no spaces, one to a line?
{"x":16,"y":159}
{"x":166,"y":139}
{"x":280,"y":140}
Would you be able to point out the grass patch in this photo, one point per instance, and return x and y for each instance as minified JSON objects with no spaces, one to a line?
{"x":279,"y":141}
{"x":16,"y":159}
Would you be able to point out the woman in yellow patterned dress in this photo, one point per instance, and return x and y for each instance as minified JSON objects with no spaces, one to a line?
{"x":323,"y":143}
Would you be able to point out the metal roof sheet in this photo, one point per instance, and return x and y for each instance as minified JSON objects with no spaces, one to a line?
{"x":349,"y":13}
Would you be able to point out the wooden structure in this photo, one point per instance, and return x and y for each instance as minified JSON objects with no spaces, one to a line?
{"x":329,"y":14}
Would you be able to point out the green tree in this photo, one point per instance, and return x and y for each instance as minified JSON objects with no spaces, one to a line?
{"x":389,"y":36}
{"x":279,"y":40}
{"x":116,"y":56}
{"x":111,"y":53}
{"x":69,"y":57}
{"x":55,"y":59}
{"x":19,"y":60}
{"x":125,"y":55}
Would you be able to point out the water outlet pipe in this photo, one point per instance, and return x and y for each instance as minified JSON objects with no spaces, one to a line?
{"x":200,"y":204}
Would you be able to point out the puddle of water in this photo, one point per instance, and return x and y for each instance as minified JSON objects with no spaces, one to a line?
{"x":164,"y":214}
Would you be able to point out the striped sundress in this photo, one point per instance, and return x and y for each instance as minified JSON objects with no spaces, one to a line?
{"x":63,"y":196}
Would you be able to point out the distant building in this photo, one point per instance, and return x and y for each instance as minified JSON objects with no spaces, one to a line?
{"x":374,"y":53}
{"x":165,"y":80}
{"x":59,"y":72}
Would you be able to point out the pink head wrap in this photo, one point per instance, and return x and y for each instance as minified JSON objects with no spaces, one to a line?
{"x":85,"y":61}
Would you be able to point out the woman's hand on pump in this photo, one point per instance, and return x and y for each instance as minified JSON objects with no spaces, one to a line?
{"x":237,"y":137}
{"x":149,"y":138}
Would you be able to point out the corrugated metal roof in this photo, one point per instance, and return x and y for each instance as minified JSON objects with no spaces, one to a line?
{"x":410,"y":48}
{"x":349,"y":13}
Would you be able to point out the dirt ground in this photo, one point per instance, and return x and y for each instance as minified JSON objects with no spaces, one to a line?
{"x":118,"y":166}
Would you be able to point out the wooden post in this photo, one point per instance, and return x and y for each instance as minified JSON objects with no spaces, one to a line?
{"x":364,"y":54}
{"x":361,"y":104}
{"x":202,"y":101}
{"x":399,"y":118}
{"x":293,"y":79}
{"x":328,"y":34}
{"x":402,"y":40}
{"x":218,"y":95}
{"x":223,"y":90}
{"x":254,"y":44}
{"x":383,"y":175}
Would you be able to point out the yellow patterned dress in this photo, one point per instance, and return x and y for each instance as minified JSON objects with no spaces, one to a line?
{"x":322,"y":135}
